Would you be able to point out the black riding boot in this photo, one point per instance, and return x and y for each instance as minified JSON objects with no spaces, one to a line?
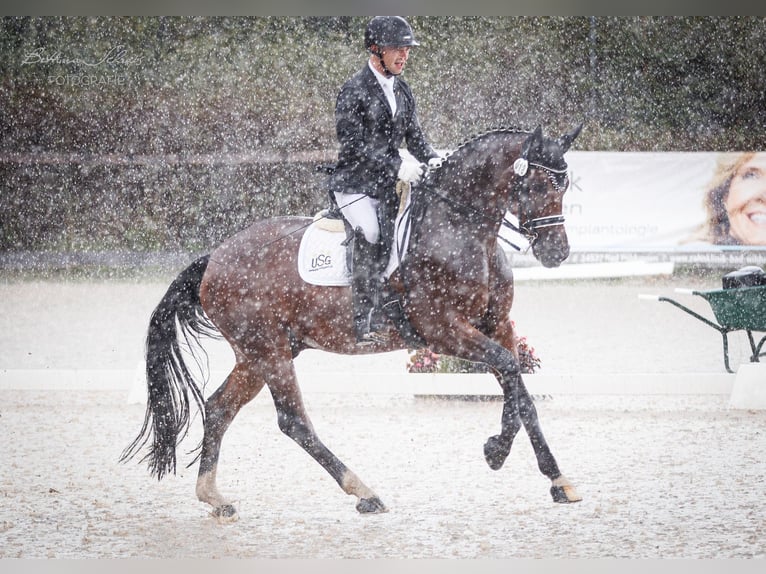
{"x":365,"y":285}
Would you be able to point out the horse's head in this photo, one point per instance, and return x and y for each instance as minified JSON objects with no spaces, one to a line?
{"x":501,"y":170}
{"x":541,"y":179}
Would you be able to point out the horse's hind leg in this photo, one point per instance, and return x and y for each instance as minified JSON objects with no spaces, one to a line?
{"x":242,"y":385}
{"x":294,"y":421}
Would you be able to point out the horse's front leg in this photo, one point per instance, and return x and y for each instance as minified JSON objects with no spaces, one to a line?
{"x":498,"y":447}
{"x":518,"y":408}
{"x":561,"y":489}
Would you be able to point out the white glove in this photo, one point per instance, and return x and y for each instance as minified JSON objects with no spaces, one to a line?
{"x":410,"y":171}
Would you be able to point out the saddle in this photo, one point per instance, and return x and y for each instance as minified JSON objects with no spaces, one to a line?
{"x":322,"y":253}
{"x":323,"y":260}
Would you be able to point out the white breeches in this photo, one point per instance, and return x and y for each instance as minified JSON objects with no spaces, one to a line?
{"x":360,"y":211}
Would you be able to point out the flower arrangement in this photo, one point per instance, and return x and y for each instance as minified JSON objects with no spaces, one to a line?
{"x":423,"y":361}
{"x":426,"y":361}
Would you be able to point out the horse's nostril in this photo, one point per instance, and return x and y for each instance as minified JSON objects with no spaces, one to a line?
{"x":551,"y":254}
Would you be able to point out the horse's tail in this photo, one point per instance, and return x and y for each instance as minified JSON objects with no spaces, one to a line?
{"x":178,"y":317}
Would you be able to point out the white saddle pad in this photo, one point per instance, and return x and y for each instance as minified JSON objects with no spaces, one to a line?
{"x":322,"y":255}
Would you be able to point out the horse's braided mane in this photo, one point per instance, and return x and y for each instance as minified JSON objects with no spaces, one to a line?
{"x":476,"y":137}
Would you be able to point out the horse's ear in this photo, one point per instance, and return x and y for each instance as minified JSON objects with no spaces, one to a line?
{"x":533,"y":141}
{"x":566,"y":140}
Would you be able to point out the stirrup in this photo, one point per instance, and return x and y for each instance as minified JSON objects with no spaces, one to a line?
{"x":372,"y":330}
{"x":371,"y":338}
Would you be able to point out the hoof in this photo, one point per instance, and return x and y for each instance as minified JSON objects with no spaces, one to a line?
{"x":495,"y":452}
{"x":371,"y":506}
{"x":565,"y":494}
{"x":225,"y":513}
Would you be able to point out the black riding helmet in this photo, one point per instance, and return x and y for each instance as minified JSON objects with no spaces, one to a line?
{"x":389,"y":31}
{"x":385,"y":31}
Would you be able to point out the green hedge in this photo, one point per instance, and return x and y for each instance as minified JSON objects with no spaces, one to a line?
{"x":181,"y":86}
{"x":148,"y":208}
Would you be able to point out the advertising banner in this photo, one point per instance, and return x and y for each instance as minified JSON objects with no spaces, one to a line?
{"x":694,"y":206}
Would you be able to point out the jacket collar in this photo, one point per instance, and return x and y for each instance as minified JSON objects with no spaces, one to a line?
{"x":374,"y":86}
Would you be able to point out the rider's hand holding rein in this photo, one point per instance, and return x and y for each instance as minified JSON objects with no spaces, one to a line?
{"x":410,"y":171}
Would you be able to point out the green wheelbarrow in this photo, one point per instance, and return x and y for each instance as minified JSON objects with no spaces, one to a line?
{"x":737,"y":309}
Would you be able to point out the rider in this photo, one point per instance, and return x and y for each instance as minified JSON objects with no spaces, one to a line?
{"x":374,"y":114}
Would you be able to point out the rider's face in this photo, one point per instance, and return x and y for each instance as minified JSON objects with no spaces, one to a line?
{"x":746,"y":202}
{"x":395,"y":58}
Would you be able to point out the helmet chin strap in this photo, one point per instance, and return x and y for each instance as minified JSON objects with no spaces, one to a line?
{"x":388,"y":73}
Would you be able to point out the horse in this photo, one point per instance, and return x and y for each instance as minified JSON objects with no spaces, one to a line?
{"x":455,"y":286}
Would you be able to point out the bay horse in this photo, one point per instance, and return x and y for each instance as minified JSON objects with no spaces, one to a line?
{"x":456,"y":290}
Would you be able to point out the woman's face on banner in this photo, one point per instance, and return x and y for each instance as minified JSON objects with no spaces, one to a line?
{"x":746,"y":202}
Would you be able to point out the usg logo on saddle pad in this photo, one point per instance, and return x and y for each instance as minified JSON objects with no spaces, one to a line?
{"x":320,"y":261}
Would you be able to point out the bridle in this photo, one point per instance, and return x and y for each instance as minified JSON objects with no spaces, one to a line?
{"x":528,"y":226}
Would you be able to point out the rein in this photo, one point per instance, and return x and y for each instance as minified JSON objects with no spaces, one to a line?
{"x":527,"y":229}
{"x":302,"y":227}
